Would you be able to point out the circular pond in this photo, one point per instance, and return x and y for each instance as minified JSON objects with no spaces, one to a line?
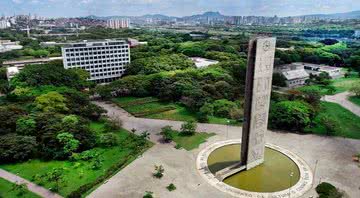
{"x":277,"y":173}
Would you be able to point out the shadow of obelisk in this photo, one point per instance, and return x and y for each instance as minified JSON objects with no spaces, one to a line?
{"x":257,"y":100}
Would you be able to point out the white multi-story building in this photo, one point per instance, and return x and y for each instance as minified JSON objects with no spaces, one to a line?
{"x":4,"y":24}
{"x":118,"y":23}
{"x":357,"y":34}
{"x":104,"y":60}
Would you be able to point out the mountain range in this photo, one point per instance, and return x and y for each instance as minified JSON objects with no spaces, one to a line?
{"x":211,"y":14}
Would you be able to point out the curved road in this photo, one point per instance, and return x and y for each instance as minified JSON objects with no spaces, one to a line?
{"x":342,"y":99}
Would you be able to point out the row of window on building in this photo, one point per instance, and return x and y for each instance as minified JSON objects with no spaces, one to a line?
{"x":96,"y":48}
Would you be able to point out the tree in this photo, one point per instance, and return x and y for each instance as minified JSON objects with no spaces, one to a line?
{"x":15,"y":148}
{"x":188,"y":128}
{"x":8,"y":118}
{"x":52,"y":101}
{"x":330,"y":125}
{"x":329,"y":41}
{"x":355,"y":89}
{"x":290,"y":115}
{"x":25,"y":126}
{"x":222,"y":107}
{"x":311,"y":95}
{"x":207,"y":109}
{"x":279,"y":80}
{"x":52,"y":73}
{"x":56,"y":175}
{"x":70,"y":144}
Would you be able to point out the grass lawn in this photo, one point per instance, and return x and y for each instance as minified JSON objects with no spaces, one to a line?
{"x":348,"y":123}
{"x":150,"y":107}
{"x":355,"y":100}
{"x":77,"y":173}
{"x":190,"y":142}
{"x":341,"y":85}
{"x":344,"y":84}
{"x":7,"y":192}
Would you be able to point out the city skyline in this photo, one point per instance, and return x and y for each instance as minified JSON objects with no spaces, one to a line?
{"x":68,"y":8}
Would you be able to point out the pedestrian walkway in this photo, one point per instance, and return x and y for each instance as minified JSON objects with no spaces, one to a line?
{"x":41,"y":191}
{"x":342,"y":99}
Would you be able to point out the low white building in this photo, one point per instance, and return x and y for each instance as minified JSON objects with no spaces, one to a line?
{"x":315,"y":69}
{"x":11,"y":72}
{"x":295,"y":75}
{"x":203,"y":62}
{"x":7,"y":45}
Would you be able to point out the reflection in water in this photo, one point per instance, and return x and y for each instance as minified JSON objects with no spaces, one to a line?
{"x":273,"y":175}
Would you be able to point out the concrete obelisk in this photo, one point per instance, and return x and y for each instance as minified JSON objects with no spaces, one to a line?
{"x":257,"y":100}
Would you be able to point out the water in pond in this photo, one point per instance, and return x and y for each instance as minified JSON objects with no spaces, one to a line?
{"x":272,"y":176}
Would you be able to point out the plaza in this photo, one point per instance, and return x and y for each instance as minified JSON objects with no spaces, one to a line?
{"x":329,"y":159}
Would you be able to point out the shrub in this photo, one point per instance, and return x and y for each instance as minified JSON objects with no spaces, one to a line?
{"x":85,"y":156}
{"x":166,"y":133}
{"x":20,"y":189}
{"x":188,"y":128}
{"x":171,"y":187}
{"x":159,"y":171}
{"x":97,"y":164}
{"x":327,"y":190}
{"x":201,"y":117}
{"x":355,"y":89}
{"x":148,"y":194}
{"x":329,"y":124}
{"x":108,"y":140}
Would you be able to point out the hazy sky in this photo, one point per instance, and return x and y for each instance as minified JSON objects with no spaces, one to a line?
{"x":175,"y":7}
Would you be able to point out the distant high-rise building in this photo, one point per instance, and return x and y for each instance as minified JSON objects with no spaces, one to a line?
{"x":357,"y":34}
{"x":4,"y":24}
{"x":118,"y":23}
{"x":104,"y":60}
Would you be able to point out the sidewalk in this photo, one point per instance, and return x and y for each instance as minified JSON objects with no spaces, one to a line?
{"x":41,"y":191}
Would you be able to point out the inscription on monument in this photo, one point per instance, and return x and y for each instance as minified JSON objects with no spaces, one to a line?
{"x":257,"y":101}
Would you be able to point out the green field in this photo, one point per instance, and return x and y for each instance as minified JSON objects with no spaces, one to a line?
{"x":151,"y":107}
{"x":355,"y":100}
{"x":340,"y":85}
{"x":77,"y":173}
{"x":6,"y":191}
{"x":190,"y":142}
{"x":348,"y":124}
{"x":344,"y":84}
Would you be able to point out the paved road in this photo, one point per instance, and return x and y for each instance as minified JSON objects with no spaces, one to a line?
{"x":342,"y":99}
{"x":330,"y":159}
{"x":43,"y":192}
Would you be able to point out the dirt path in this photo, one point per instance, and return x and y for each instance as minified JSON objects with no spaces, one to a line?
{"x":41,"y":191}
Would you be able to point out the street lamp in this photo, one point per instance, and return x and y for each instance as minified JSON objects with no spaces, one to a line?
{"x":227,"y":129}
{"x":290,"y":177}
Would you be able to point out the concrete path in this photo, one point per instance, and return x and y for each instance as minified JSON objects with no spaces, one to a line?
{"x":329,"y":157}
{"x":41,"y":191}
{"x":342,"y":99}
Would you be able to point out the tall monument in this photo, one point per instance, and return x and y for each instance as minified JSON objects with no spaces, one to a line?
{"x":257,"y":100}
